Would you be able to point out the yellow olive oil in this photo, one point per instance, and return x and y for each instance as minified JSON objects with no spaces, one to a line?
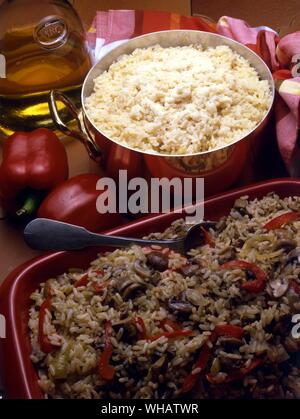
{"x":43,"y":49}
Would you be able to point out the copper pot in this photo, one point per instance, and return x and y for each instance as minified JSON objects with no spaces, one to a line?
{"x":220,"y":167}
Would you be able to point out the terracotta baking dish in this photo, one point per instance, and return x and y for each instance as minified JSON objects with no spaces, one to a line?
{"x":19,"y":376}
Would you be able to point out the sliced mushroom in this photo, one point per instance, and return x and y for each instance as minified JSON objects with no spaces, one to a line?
{"x":189,"y":270}
{"x":126,"y":282}
{"x":141,"y":269}
{"x":283,"y":326}
{"x":229,"y":343}
{"x":194,"y":296}
{"x":291,"y":344}
{"x":133,"y":290}
{"x":122,"y":322}
{"x":229,"y":361}
{"x":294,"y":384}
{"x":129,"y":287}
{"x":130,"y":333}
{"x":294,"y":255}
{"x":286,"y":244}
{"x":158,"y":261}
{"x":277,"y":287}
{"x":180,"y":305}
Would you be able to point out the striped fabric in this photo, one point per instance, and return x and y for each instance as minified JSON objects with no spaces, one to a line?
{"x":111,"y":28}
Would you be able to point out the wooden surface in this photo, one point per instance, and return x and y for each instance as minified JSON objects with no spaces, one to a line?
{"x":14,"y":250}
{"x":283,"y":16}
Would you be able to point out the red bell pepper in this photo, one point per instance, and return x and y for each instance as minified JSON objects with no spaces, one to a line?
{"x":283,"y":74}
{"x":44,"y":342}
{"x":281,"y":220}
{"x":176,"y":332}
{"x":98,"y":287}
{"x":141,"y":328}
{"x":99,"y":272}
{"x":255,"y":286}
{"x":166,"y":324}
{"x":238,"y":375}
{"x":74,"y":201}
{"x":230,"y":330}
{"x":33,"y":162}
{"x":106,"y":370}
{"x":82,"y":282}
{"x":200,"y":365}
{"x":295,"y":286}
{"x":207,"y":237}
{"x":85,"y":279}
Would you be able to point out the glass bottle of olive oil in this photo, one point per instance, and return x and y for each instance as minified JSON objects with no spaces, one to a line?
{"x":42,"y":47}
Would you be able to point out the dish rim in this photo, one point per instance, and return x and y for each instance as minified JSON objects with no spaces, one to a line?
{"x":16,"y":366}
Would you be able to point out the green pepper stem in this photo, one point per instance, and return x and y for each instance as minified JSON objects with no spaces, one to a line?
{"x":30,"y":205}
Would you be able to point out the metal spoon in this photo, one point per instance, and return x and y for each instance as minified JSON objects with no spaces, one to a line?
{"x":44,"y":234}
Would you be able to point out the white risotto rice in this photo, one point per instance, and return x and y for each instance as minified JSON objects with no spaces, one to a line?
{"x":178,"y":100}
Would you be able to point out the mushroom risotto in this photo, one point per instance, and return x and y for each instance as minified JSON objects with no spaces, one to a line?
{"x":178,"y":100}
{"x":152,"y":323}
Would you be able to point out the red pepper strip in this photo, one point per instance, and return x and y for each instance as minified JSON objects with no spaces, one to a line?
{"x":172,"y":335}
{"x":295,"y":286}
{"x":279,"y":221}
{"x":239,"y":375}
{"x":141,"y":328}
{"x":219,"y":330}
{"x":201,"y":363}
{"x":98,"y":287}
{"x":99,"y":272}
{"x":258,"y":284}
{"x":169,"y":323}
{"x":207,"y":237}
{"x":106,"y":370}
{"x":44,"y":342}
{"x":82,"y":282}
{"x":228,"y":330}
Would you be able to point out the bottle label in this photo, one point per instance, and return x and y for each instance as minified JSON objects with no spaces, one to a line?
{"x":51,"y":32}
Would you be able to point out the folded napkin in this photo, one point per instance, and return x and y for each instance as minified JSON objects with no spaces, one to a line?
{"x":282,"y":55}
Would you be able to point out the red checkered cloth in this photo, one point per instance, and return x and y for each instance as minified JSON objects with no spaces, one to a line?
{"x":282,"y":55}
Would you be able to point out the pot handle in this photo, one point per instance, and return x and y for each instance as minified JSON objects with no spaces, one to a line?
{"x":85,"y":139}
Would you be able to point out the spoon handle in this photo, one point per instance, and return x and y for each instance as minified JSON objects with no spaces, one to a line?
{"x":44,"y":234}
